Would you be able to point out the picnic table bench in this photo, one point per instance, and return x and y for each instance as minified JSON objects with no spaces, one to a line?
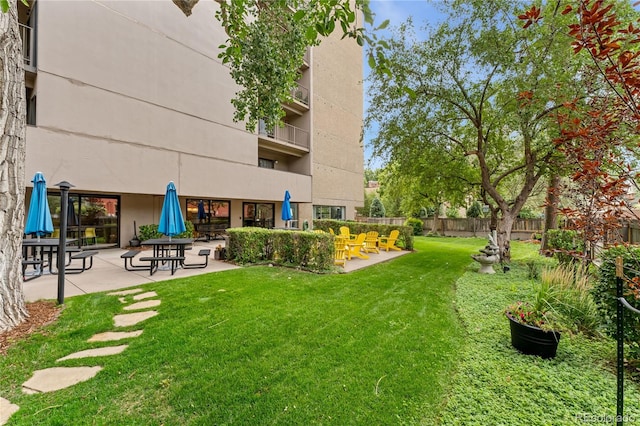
{"x":156,"y":261}
{"x":211,"y":231}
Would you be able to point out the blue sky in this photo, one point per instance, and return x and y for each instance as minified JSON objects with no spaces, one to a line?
{"x":397,"y":11}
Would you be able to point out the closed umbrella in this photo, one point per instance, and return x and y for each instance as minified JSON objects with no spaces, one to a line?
{"x":201,"y":213}
{"x":171,"y":220}
{"x":286,"y":208}
{"x":39,"y":216}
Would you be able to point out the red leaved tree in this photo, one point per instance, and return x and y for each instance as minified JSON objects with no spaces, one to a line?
{"x":597,"y":134}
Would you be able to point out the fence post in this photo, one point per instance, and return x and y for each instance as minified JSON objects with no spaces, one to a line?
{"x":620,"y":342}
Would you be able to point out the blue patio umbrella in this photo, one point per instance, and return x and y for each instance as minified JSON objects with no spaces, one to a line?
{"x":39,"y":216}
{"x":171,"y":220}
{"x":286,"y":207}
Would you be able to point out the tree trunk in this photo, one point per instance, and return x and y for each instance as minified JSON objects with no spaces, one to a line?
{"x":504,"y":235}
{"x":551,"y":209}
{"x":12,"y":173}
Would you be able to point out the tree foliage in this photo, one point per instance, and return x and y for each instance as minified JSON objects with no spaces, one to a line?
{"x":267,"y":42}
{"x":377,"y":208}
{"x":598,"y":138}
{"x":470,"y":107}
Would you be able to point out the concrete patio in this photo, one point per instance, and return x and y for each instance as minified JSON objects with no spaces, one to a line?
{"x":108,"y":273}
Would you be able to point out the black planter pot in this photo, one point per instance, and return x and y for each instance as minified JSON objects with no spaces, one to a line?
{"x":533,"y":340}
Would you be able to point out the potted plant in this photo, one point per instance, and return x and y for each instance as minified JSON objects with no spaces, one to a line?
{"x":533,"y":331}
{"x":562,"y":302}
{"x":218,"y":253}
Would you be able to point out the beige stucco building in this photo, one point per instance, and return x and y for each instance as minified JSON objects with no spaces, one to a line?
{"x":125,"y":96}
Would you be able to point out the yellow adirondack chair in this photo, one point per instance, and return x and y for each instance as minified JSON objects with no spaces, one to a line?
{"x":371,"y":242}
{"x":344,"y":231}
{"x":318,"y":231}
{"x":354,"y":247}
{"x":340,"y":255}
{"x":389,"y":243}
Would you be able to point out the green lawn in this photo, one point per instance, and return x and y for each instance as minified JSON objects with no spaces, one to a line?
{"x":264,"y":345}
{"x":418,"y":340}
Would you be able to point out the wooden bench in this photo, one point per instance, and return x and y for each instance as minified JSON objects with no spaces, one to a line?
{"x":129,"y":266}
{"x":82,"y":255}
{"x":155,"y":261}
{"x":202,"y":252}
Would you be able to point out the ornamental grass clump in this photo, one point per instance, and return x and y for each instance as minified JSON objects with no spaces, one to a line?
{"x":562,"y":301}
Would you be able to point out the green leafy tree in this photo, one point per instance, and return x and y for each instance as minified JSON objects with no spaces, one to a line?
{"x":377,"y":208}
{"x":474,"y":102}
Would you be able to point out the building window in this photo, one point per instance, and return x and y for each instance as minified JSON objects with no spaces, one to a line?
{"x":31,"y":107}
{"x":266,"y":163}
{"x":261,"y":215}
{"x":204,"y":211}
{"x":329,"y":212}
{"x":96,"y":214}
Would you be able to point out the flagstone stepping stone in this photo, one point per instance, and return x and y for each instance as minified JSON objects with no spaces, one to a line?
{"x":108,"y":350}
{"x":56,"y":378}
{"x":125,"y":292}
{"x":6,"y":410}
{"x":146,"y":295}
{"x":114,"y":335}
{"x":142,"y":305}
{"x":124,"y":320}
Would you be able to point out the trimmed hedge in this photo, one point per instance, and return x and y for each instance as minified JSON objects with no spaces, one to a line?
{"x":300,"y":249}
{"x":406,"y":232}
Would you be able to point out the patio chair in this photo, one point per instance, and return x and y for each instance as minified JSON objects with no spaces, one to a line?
{"x":389,"y":243}
{"x":355,"y":247}
{"x":340,"y":255}
{"x":371,"y":242}
{"x":345,"y":232}
{"x":90,"y":234}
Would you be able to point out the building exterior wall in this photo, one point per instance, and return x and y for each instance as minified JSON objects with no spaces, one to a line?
{"x":338,"y":156}
{"x":131,"y":95}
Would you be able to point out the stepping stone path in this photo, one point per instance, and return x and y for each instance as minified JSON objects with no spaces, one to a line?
{"x":55,"y":378}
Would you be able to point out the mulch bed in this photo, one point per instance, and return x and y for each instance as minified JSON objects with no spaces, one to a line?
{"x":41,"y":313}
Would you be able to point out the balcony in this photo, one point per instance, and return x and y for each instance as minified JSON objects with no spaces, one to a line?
{"x":28,"y":46}
{"x":288,"y":139}
{"x":300,"y":103}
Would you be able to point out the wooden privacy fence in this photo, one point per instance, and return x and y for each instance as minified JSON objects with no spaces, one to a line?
{"x":468,"y":227}
{"x":472,"y":227}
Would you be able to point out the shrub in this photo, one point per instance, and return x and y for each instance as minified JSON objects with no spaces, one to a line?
{"x":416,"y":224}
{"x":452,"y":213}
{"x":475,"y":209}
{"x":565,"y":244}
{"x":605,"y":296}
{"x":148,"y":232}
{"x":301,"y":249}
{"x":528,"y":213}
{"x":377,"y":208}
{"x":571,"y":299}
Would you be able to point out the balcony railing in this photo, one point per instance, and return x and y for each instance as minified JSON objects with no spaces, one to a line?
{"x":301,"y":94}
{"x":26,"y":33}
{"x":290,"y":134}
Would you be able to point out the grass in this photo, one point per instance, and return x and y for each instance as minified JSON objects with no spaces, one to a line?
{"x":496,"y":385}
{"x":263,"y":345}
{"x":418,"y":340}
